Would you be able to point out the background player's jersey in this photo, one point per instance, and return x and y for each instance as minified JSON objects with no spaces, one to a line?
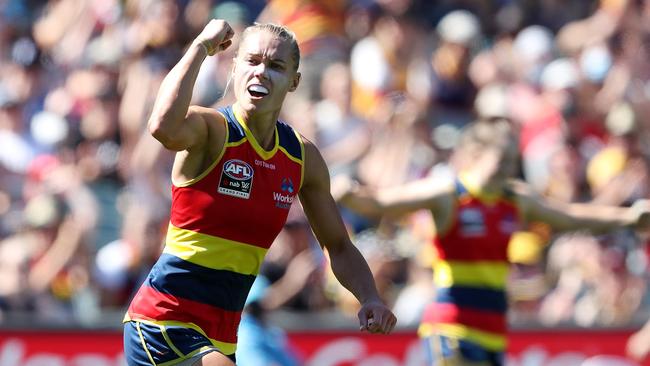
{"x":222,"y":224}
{"x":471,"y":270}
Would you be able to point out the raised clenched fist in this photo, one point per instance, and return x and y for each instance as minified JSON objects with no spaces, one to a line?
{"x":216,"y":36}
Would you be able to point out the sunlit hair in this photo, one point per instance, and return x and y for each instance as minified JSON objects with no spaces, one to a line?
{"x":281,"y":32}
{"x":482,"y":135}
{"x":487,"y":133}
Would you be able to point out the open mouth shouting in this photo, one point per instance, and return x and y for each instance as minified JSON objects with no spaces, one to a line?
{"x":257,"y":91}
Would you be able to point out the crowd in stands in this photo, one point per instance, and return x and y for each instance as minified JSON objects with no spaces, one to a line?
{"x":387,"y":87}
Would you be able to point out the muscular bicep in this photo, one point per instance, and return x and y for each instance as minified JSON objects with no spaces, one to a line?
{"x":193,"y":160}
{"x":191,"y":133}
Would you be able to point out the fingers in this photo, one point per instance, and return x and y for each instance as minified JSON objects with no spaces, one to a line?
{"x":389,"y":323}
{"x":229,"y":33}
{"x":380,"y":320}
{"x":363,"y":320}
{"x":386,"y":323}
{"x":216,"y":36}
{"x":225,"y":44}
{"x":226,"y":30}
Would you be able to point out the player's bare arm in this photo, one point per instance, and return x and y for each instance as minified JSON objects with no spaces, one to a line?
{"x":184,"y":128}
{"x":425,"y":194}
{"x":563,"y":216}
{"x":347,"y":263}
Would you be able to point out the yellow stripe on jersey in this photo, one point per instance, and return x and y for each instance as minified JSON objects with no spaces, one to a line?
{"x":291,"y":157}
{"x":490,"y":274}
{"x":214,"y":252}
{"x":491,"y":341}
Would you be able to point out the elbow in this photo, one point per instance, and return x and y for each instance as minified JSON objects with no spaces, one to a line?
{"x":364,"y":206}
{"x":373,"y":211}
{"x":157,"y":128}
{"x":154,"y":125}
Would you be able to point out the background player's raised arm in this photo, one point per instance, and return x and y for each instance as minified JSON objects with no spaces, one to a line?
{"x":578,"y":216}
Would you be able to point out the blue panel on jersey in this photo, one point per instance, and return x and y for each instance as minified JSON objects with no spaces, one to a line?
{"x":235,"y":131}
{"x":223,"y":289}
{"x":288,"y":140}
{"x":473,"y":298}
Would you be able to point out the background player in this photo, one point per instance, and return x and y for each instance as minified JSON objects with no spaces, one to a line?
{"x":474,"y":219}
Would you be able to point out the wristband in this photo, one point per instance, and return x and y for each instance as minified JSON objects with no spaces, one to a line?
{"x":208,"y":49}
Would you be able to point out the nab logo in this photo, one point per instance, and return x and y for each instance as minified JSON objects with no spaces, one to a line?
{"x":236,"y":179}
{"x":238,"y":170}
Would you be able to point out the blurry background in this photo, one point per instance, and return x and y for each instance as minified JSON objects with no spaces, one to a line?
{"x":387,"y":84}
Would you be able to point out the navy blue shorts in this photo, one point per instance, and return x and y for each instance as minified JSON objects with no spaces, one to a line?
{"x":150,"y":344}
{"x":445,"y":351}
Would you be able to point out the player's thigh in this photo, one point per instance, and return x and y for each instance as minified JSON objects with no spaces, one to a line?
{"x":146,"y":344}
{"x":214,"y":359}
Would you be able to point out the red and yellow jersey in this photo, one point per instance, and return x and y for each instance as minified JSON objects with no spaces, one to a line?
{"x":222,"y":223}
{"x":471,"y":270}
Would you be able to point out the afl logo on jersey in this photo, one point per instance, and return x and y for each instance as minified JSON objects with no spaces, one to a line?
{"x":472,"y":222}
{"x":236,"y":179}
{"x":237,"y":169}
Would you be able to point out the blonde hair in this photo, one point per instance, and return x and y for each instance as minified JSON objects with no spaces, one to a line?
{"x":480,"y":136}
{"x":281,"y":32}
{"x":487,"y":133}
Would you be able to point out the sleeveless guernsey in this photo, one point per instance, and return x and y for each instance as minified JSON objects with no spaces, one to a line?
{"x":221,"y":225}
{"x":471,"y":270}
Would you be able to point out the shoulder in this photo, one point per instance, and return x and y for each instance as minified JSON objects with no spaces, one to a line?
{"x":443,"y":194}
{"x":213,"y":118}
{"x":310,"y":147}
{"x":315,"y":168}
{"x":208,"y":114}
{"x":519,"y":189}
{"x":313,"y":157}
{"x":210,"y":124}
{"x":523,"y":194}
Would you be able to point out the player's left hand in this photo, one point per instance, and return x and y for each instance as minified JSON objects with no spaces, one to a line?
{"x":375,"y":317}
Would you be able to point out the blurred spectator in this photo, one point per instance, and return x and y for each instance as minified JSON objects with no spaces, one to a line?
{"x":342,"y":135}
{"x":318,"y":25}
{"x":453,"y":92}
